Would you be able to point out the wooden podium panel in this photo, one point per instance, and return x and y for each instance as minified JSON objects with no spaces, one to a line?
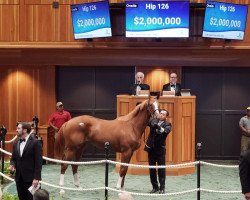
{"x":180,"y":142}
{"x":47,"y":135}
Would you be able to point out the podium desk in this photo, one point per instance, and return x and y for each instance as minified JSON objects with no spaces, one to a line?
{"x":180,"y":143}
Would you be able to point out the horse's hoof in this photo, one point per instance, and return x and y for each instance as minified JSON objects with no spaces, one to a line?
{"x":79,"y":186}
{"x":62,"y":192}
{"x":118,"y":188}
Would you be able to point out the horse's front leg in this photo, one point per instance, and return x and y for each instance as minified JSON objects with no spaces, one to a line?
{"x":125,"y":158}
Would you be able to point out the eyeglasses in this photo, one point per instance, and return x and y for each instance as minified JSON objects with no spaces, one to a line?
{"x":173,"y":77}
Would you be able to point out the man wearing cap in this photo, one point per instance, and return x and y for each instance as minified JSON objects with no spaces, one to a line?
{"x":58,"y":118}
{"x":245,"y":128}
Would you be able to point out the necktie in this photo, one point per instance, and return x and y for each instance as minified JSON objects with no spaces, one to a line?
{"x":172,"y":85}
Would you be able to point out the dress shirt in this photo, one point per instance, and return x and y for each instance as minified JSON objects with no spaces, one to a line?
{"x":172,"y":87}
{"x":22,"y":144}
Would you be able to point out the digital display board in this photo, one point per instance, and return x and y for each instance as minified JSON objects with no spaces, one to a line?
{"x":225,"y":20}
{"x":157,"y":19}
{"x":91,"y":20}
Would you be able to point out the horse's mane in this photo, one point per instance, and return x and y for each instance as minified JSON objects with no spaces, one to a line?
{"x":134,"y":112}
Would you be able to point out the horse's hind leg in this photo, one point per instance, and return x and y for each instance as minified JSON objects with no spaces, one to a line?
{"x":61,"y":182}
{"x":125,"y":158}
{"x":75,"y":167}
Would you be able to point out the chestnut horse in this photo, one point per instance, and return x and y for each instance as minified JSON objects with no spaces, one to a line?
{"x":123,"y":134}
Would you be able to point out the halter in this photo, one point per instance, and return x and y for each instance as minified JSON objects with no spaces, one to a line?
{"x":153,"y":105}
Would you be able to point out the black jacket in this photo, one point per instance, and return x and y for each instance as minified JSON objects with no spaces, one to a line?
{"x":143,"y":87}
{"x":28,"y":166}
{"x":244,"y":172}
{"x":157,"y":139}
{"x":166,"y":87}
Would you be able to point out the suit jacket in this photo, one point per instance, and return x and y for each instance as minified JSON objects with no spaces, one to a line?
{"x":166,"y":87}
{"x":244,"y":172}
{"x":143,"y":87}
{"x":157,"y":139}
{"x":28,"y":166}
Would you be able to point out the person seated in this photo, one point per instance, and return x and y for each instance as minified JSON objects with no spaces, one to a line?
{"x":139,"y":85}
{"x":173,"y":85}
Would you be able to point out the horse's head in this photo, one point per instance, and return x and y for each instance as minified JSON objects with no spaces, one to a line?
{"x":153,"y":104}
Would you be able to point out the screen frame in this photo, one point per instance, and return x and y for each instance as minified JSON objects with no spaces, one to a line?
{"x":88,"y":3}
{"x":189,"y":5}
{"x":226,"y":39}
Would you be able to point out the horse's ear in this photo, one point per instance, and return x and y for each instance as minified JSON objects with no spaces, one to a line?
{"x":155,"y":94}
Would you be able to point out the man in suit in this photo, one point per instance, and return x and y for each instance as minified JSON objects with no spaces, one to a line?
{"x":173,"y":85}
{"x":244,"y":172}
{"x":26,"y":161}
{"x":156,"y":148}
{"x":139,"y":85}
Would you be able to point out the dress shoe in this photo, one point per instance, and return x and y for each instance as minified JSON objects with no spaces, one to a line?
{"x":162,"y":192}
{"x":154,"y":190}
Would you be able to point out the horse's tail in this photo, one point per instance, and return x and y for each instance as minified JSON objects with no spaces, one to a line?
{"x":59,"y":143}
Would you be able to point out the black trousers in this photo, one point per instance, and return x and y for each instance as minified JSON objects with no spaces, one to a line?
{"x":160,"y":158}
{"x":22,"y":189}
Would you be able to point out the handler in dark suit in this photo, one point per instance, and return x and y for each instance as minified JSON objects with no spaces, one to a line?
{"x":173,"y":85}
{"x":244,"y":172}
{"x":139,"y":85}
{"x":26,"y":161}
{"x":156,"y":148}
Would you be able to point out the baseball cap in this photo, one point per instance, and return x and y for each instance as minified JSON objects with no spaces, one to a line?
{"x":59,"y":104}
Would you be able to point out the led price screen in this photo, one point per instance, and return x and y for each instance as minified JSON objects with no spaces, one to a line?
{"x":225,"y":20}
{"x":91,"y":20}
{"x":157,"y":18}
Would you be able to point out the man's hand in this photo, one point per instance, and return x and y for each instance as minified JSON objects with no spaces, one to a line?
{"x":35,"y":183}
{"x":247,"y":196}
{"x":55,"y":128}
{"x":156,"y":126}
{"x":12,"y":169}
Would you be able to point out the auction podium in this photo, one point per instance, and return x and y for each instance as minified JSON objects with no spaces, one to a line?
{"x":180,"y":142}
